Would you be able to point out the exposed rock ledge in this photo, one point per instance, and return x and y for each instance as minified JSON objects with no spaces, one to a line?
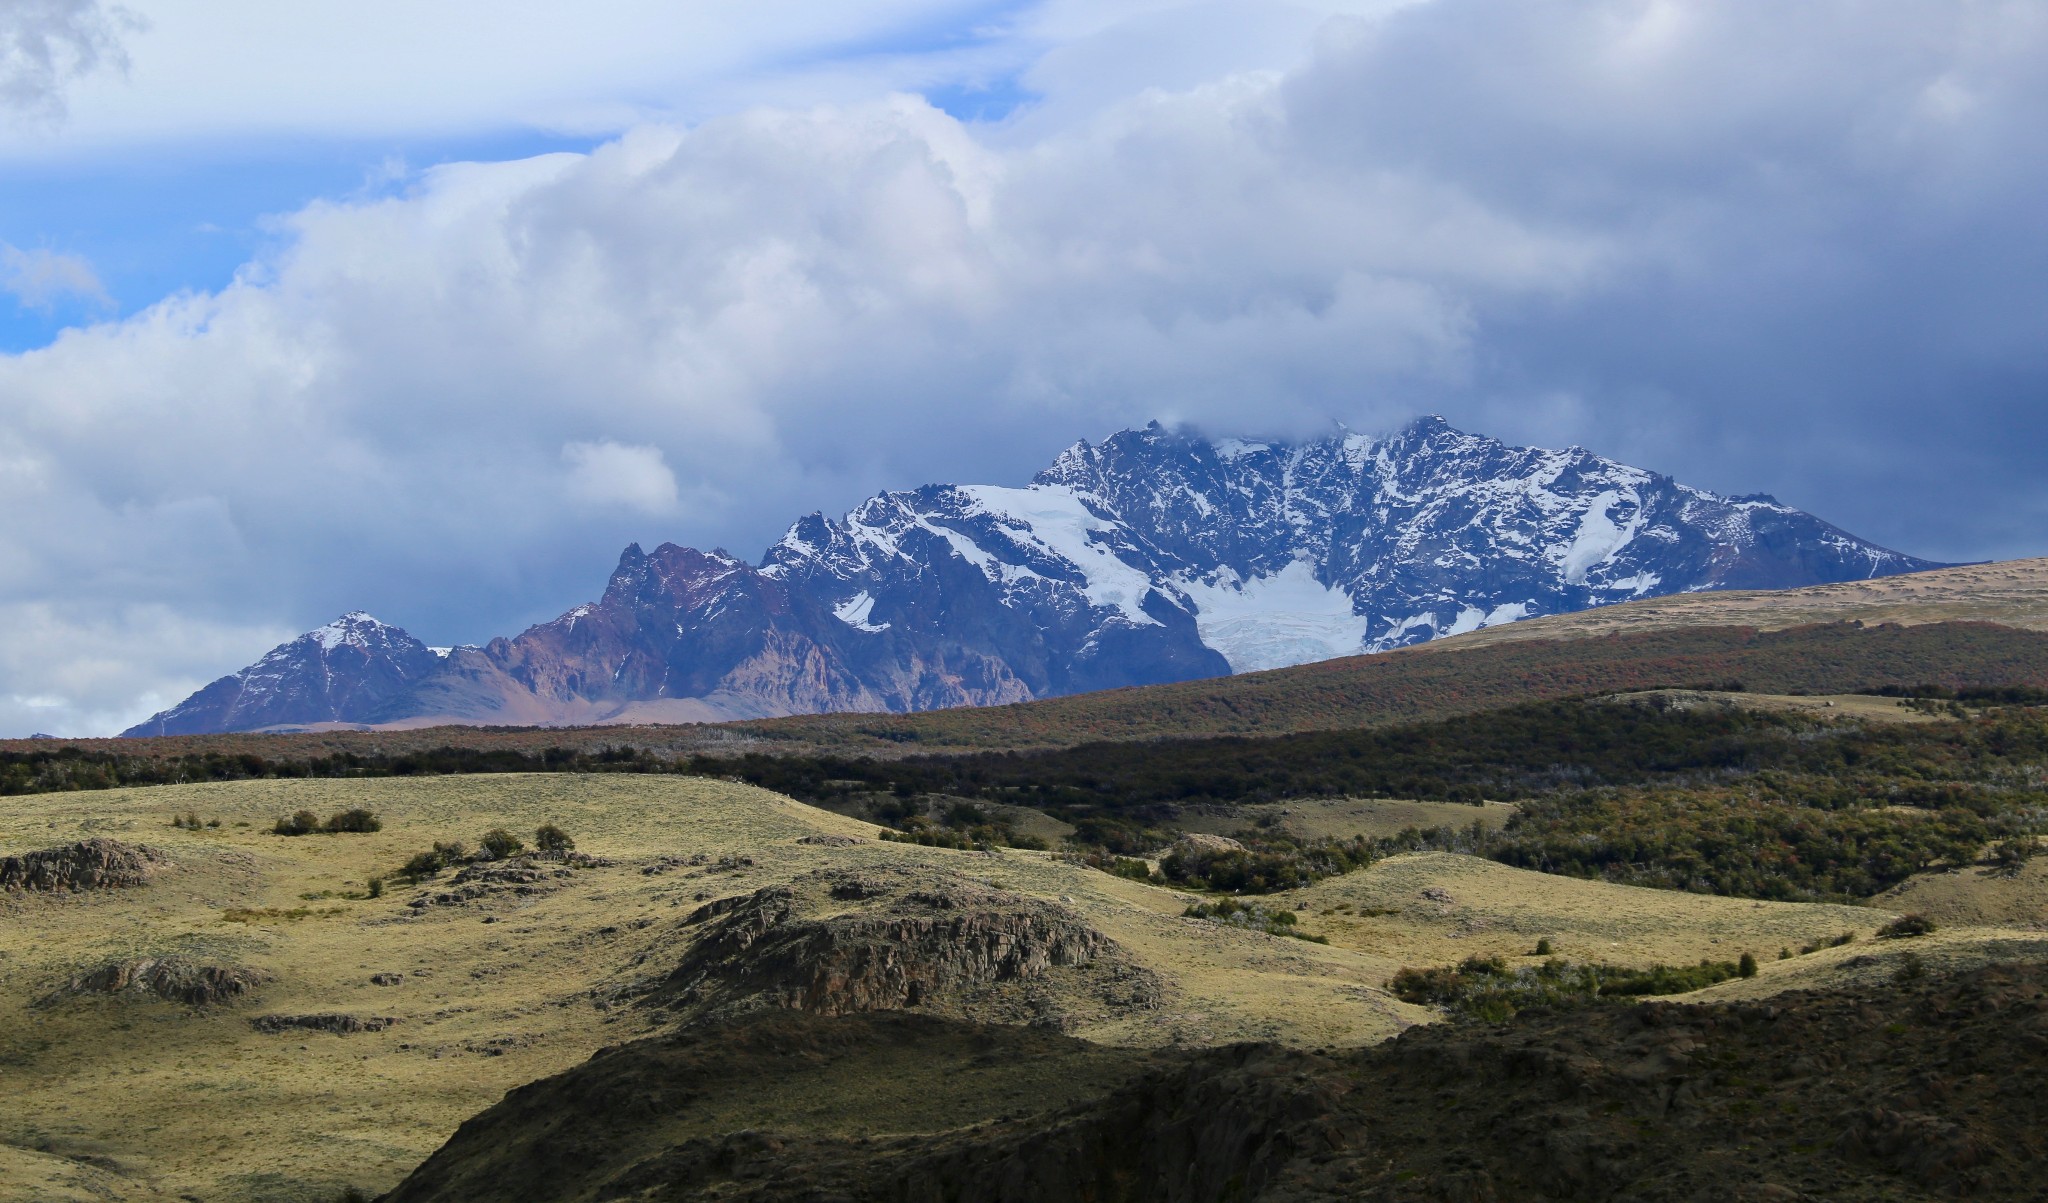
{"x":173,"y":979}
{"x":339,"y":1024}
{"x":95,"y":864}
{"x":839,"y":942}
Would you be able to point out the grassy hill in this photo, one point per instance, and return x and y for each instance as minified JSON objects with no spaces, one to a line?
{"x":527,"y":979}
{"x":1493,"y":810}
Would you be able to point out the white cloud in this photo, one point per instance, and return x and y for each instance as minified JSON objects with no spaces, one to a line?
{"x":1574,"y":225}
{"x":226,"y":69}
{"x":72,"y":669}
{"x":610,"y":474}
{"x":40,"y":278}
{"x":48,"y":45}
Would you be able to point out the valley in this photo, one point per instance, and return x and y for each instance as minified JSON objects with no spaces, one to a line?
{"x":143,"y":1098}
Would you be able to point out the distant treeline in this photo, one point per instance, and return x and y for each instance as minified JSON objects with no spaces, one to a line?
{"x":65,"y":768}
{"x":1726,"y":800}
{"x":1517,"y":752}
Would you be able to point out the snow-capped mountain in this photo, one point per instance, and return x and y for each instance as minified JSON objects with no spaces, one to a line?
{"x":336,"y":673}
{"x":1153,"y":556}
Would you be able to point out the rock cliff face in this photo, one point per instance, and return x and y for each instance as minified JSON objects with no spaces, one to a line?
{"x":1153,"y":556}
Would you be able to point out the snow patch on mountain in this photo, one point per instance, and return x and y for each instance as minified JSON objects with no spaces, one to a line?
{"x":353,"y":629}
{"x":1599,"y":537}
{"x":1053,"y":521}
{"x":854,"y":612}
{"x":1273,"y":621}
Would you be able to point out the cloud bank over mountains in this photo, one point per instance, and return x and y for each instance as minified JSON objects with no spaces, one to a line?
{"x":1756,"y":247}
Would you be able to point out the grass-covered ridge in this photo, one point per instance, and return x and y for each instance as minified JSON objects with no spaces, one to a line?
{"x":1726,"y":800}
{"x":1413,"y":685}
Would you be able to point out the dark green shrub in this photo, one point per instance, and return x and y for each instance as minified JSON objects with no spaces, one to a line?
{"x":1266,"y":863}
{"x":426,"y":864}
{"x":550,"y":838}
{"x":1543,"y":948}
{"x":303,"y":822}
{"x":501,"y":843}
{"x":1747,"y":965}
{"x":1905,"y":927}
{"x":1485,"y":988}
{"x":356,"y":820}
{"x":376,"y":887}
{"x":2009,"y":856}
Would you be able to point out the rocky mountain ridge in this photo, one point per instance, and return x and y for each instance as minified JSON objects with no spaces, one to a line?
{"x":1153,"y":556}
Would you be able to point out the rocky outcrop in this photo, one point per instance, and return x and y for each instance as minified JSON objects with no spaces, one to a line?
{"x":334,"y":1022}
{"x":173,"y":979}
{"x":524,"y":876}
{"x":96,"y":864}
{"x":840,"y":942}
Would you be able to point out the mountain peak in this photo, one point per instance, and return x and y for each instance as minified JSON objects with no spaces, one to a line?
{"x":1156,"y":554}
{"x":355,"y":628}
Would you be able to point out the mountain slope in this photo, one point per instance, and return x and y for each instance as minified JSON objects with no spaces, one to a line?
{"x":336,"y":673}
{"x":1153,"y":557}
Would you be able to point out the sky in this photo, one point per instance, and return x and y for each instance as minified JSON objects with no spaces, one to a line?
{"x":429,"y":310}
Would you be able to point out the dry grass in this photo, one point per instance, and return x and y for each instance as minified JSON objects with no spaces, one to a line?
{"x":2012,"y":593}
{"x":1478,"y":907}
{"x":504,"y":990}
{"x":1977,"y":897}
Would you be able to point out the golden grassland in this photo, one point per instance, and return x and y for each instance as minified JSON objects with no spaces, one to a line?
{"x":115,"y":1098}
{"x":2012,"y":593}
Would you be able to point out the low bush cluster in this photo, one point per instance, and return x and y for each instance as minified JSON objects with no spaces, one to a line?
{"x":948,"y":823}
{"x":356,"y":820}
{"x":1252,"y":917}
{"x":495,"y":844}
{"x":1265,"y":863}
{"x":1488,"y":989}
{"x":1905,"y":927}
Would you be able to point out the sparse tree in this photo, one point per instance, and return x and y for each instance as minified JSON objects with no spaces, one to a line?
{"x":550,"y":838}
